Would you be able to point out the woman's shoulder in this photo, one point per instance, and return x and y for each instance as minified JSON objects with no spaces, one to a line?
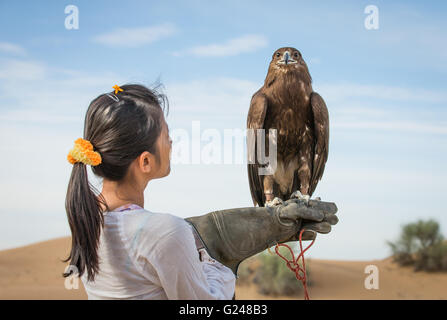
{"x":144,"y":226}
{"x":156,"y":220}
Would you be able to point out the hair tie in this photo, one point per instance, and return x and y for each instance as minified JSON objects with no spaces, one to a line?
{"x":83,"y":152}
{"x":113,"y":97}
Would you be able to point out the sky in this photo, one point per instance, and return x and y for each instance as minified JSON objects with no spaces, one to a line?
{"x":385,"y":89}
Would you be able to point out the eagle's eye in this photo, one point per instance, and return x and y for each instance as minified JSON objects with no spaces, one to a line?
{"x":295,"y":54}
{"x":278,"y":54}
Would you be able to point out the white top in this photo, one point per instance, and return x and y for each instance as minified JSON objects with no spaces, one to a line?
{"x":146,"y":255}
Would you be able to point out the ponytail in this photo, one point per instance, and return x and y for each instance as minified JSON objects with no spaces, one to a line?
{"x":86,"y":220}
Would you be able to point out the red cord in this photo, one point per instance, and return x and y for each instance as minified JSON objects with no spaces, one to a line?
{"x":293,"y":264}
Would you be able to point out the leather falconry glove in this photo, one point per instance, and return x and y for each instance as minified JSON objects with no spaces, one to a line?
{"x":230,"y":236}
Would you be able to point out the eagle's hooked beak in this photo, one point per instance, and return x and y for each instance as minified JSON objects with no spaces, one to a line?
{"x":286,"y":57}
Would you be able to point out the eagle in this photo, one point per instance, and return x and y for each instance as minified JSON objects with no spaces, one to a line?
{"x":286,"y":102}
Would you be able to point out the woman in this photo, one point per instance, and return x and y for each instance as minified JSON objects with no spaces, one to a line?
{"x":123,"y":251}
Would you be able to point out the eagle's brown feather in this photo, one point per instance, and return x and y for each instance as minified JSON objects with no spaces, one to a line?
{"x":321,"y":129}
{"x":255,"y":120}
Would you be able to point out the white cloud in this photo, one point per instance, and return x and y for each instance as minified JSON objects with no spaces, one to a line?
{"x":336,"y":92}
{"x":21,"y":70}
{"x":33,"y":92}
{"x":7,"y":47}
{"x":135,"y":37}
{"x":401,"y":126}
{"x":212,"y":96}
{"x":385,"y":108}
{"x":232,"y":47}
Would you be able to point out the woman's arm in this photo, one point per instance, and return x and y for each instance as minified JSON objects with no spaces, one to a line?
{"x":182,"y":274}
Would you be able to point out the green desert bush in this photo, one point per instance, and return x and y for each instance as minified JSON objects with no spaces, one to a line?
{"x":434,"y":259}
{"x":421,"y":245}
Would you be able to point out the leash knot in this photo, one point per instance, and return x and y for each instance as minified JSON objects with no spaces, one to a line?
{"x":293,"y":264}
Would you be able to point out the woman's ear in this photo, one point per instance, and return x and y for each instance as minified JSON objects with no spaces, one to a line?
{"x":146,"y":162}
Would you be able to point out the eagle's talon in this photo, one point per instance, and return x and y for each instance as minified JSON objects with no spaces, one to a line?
{"x":298,"y":195}
{"x":273,"y":203}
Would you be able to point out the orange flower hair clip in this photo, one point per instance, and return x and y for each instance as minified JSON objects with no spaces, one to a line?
{"x":113,"y":96}
{"x":117,"y":88}
{"x":83,"y":152}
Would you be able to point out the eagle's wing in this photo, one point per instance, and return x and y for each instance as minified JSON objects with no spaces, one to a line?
{"x":255,"y":120}
{"x":321,"y":130}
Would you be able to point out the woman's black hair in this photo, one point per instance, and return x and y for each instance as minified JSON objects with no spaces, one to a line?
{"x":120,"y":131}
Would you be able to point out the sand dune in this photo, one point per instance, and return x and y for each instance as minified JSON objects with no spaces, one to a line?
{"x":34,"y":272}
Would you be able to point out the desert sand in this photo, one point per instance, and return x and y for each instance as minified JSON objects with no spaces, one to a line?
{"x":35,"y":272}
